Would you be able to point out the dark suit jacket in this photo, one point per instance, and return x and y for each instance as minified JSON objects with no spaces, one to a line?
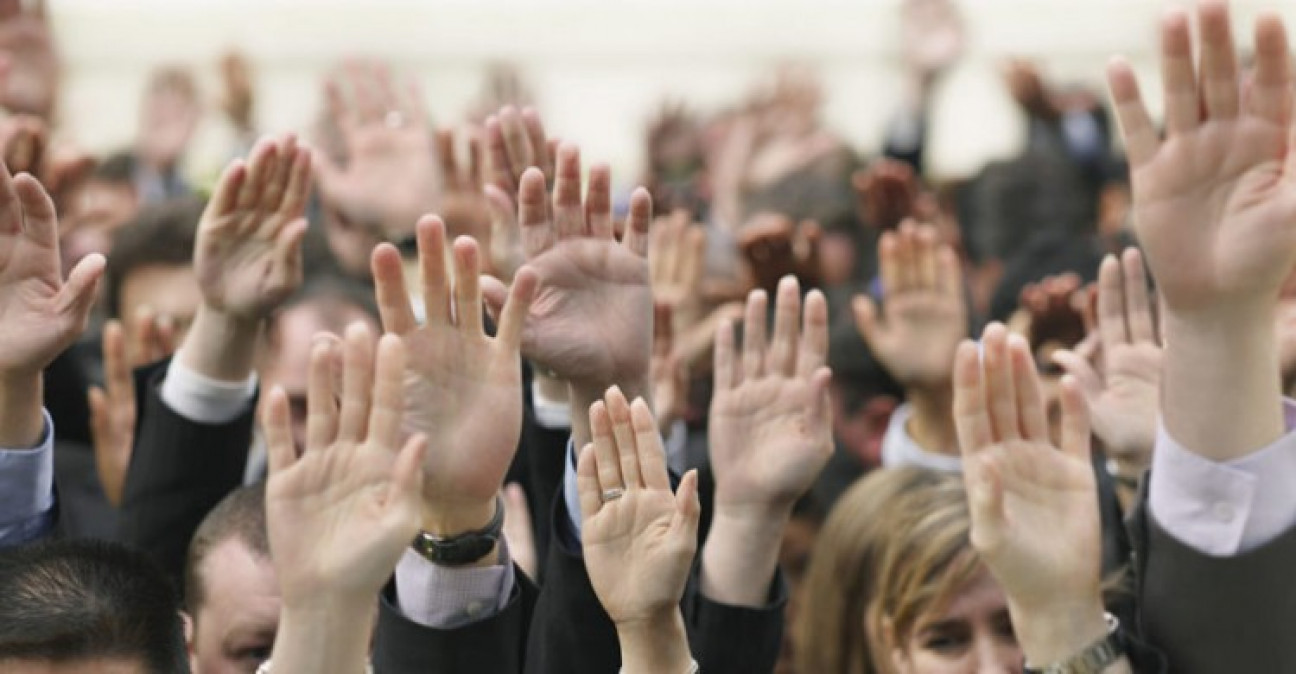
{"x":179,"y":471}
{"x":1214,"y":614}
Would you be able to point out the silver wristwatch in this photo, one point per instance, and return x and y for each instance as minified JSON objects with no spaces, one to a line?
{"x":1094,"y":659}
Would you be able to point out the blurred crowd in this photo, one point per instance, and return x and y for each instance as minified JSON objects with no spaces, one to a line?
{"x":421,"y":395}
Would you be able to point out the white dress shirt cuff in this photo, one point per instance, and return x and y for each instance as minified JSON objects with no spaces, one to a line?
{"x":445,"y":598}
{"x":27,"y":490}
{"x":202,"y":399}
{"x":1225,"y":509}
{"x":900,"y":449}
{"x":549,"y":414}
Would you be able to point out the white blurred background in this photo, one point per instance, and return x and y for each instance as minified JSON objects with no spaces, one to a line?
{"x":598,"y":70}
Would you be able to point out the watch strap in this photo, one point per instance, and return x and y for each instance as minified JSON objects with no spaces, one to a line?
{"x":1094,"y":659}
{"x":465,"y":548}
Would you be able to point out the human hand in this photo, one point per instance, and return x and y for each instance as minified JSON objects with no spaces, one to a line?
{"x":112,"y":407}
{"x":1215,"y":212}
{"x":515,"y":141}
{"x":1034,"y":506}
{"x":926,"y":314}
{"x":40,"y":313}
{"x":390,"y":178}
{"x":464,"y":207}
{"x":773,"y":247}
{"x":677,"y":263}
{"x":934,"y":37}
{"x":1122,"y":399}
{"x":31,"y":81}
{"x":591,"y":322}
{"x":341,"y":514}
{"x":463,"y":388}
{"x":248,"y":254}
{"x":638,"y":545}
{"x":887,"y":193}
{"x":1052,"y":311}
{"x":1215,"y":202}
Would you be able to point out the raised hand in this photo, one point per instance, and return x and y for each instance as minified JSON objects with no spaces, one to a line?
{"x":677,"y":263}
{"x":887,"y":193}
{"x":670,"y":380}
{"x":340,"y":516}
{"x":464,"y":207}
{"x":1215,"y":211}
{"x":591,"y":322}
{"x":248,"y":253}
{"x":770,"y":434}
{"x":1034,"y":506}
{"x":390,"y":178}
{"x":112,"y":407}
{"x":639,"y":539}
{"x":1123,"y":398}
{"x":463,"y":388}
{"x":773,"y":247}
{"x":515,"y":141}
{"x":926,"y":314}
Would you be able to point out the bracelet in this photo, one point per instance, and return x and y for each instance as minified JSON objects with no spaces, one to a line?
{"x":1094,"y":659}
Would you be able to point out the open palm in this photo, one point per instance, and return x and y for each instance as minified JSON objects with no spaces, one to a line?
{"x":1215,"y":204}
{"x":770,"y":426}
{"x":1034,"y":506}
{"x":341,"y":515}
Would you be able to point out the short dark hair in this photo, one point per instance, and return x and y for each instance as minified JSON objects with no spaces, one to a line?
{"x":240,"y":515}
{"x":162,"y":234}
{"x":70,"y":600}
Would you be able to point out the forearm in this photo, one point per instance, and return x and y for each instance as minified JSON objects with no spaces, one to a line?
{"x":741,"y":555}
{"x":658,"y":646}
{"x":221,"y":346}
{"x":324,"y":639}
{"x":22,"y":425}
{"x":931,"y":423}
{"x":1221,"y":392}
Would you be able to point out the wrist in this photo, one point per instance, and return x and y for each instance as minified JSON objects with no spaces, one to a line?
{"x":1057,"y":631}
{"x":740,"y":556}
{"x":325,"y":634}
{"x":450,"y":522}
{"x":22,"y":423}
{"x":221,"y":345}
{"x":931,"y":420}
{"x":656,"y":644}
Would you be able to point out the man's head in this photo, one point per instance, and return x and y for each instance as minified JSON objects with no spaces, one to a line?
{"x":87,"y":606}
{"x":96,"y":207}
{"x":152,"y":265}
{"x":231,"y":591}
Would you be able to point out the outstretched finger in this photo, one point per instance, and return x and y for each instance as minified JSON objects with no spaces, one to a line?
{"x":1178,"y":76}
{"x":388,"y":408}
{"x":1140,"y":135}
{"x":618,"y":409}
{"x":971,"y":416}
{"x":1138,"y":310}
{"x":322,"y":395}
{"x":1111,"y":306}
{"x":727,"y":373}
{"x":598,"y":202}
{"x":389,"y":290}
{"x":433,"y":275}
{"x":753,"y":346}
{"x":637,"y":222}
{"x":357,"y":384}
{"x":1030,"y":398}
{"x":605,"y":449}
{"x":568,"y":214}
{"x":276,"y":424}
{"x":782,"y":357}
{"x":1001,"y":398}
{"x":1271,"y":88}
{"x":467,"y":289}
{"x":688,"y":508}
{"x":228,"y":187}
{"x":512,"y":320}
{"x":588,"y":482}
{"x":1219,"y":71}
{"x":651,"y":455}
{"x":538,"y":233}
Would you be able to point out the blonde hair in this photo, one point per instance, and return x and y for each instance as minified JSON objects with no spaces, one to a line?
{"x":896,"y":546}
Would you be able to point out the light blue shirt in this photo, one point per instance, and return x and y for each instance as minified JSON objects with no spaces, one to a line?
{"x":27,"y":491}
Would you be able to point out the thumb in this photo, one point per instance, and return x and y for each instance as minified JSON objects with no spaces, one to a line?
{"x":494,"y":295}
{"x":688,"y":508}
{"x":78,"y":293}
{"x":1085,"y":375}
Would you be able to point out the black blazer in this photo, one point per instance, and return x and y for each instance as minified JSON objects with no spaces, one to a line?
{"x":179,"y":471}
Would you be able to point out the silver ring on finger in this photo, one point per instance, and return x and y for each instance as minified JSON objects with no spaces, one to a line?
{"x":612,"y":494}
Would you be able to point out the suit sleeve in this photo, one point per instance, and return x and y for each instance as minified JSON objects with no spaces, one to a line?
{"x":496,"y":645}
{"x":179,"y":470}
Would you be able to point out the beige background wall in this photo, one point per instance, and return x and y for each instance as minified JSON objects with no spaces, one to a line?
{"x":599,"y":67}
